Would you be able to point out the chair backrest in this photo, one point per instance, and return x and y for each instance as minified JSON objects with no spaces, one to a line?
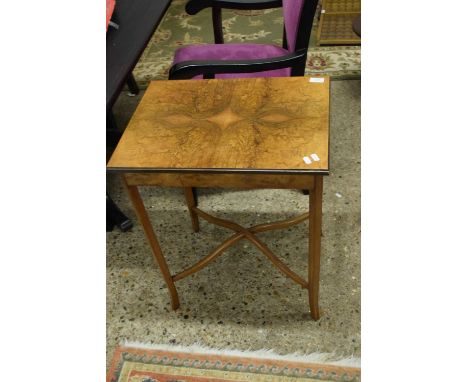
{"x":298,"y":17}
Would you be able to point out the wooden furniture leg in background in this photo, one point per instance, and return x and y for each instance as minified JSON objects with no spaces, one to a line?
{"x":315,"y":232}
{"x":116,"y":217}
{"x":132,"y":85}
{"x":153,"y":241}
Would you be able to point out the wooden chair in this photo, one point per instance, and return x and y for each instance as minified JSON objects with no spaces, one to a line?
{"x":248,"y":60}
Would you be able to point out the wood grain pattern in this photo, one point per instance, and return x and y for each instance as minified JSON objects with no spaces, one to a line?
{"x":230,"y":125}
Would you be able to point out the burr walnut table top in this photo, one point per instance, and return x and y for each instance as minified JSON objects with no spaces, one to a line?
{"x":257,"y":125}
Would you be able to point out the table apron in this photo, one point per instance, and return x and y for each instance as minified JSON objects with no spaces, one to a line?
{"x":288,"y":181}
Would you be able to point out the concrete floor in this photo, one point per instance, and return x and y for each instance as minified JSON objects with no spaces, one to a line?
{"x":241,"y":301}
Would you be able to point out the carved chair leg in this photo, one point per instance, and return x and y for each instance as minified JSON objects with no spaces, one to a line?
{"x":153,"y":242}
{"x":191,"y":204}
{"x":315,"y":231}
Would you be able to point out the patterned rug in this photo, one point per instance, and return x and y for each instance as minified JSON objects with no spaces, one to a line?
{"x":149,"y":365}
{"x":262,"y":27}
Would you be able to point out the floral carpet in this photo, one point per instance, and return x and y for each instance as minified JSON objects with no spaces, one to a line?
{"x":263,"y":27}
{"x":145,"y":365}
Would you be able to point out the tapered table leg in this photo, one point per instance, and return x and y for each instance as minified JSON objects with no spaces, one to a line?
{"x":153,"y":241}
{"x":191,"y":204}
{"x":315,"y":231}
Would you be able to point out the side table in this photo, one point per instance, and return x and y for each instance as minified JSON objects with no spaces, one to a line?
{"x":236,"y":133}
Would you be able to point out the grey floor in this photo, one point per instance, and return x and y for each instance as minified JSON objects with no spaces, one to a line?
{"x":241,"y":301}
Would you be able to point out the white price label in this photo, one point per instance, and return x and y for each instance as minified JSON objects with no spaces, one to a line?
{"x":316,"y":79}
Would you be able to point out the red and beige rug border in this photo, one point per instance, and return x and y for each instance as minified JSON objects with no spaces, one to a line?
{"x":261,"y":365}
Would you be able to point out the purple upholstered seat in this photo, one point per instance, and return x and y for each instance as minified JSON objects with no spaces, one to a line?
{"x":207,"y":52}
{"x":211,"y":52}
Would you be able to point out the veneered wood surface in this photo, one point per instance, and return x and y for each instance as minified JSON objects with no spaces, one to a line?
{"x":235,"y":125}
